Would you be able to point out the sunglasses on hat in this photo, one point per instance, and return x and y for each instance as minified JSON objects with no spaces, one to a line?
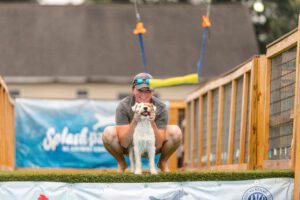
{"x":140,"y":81}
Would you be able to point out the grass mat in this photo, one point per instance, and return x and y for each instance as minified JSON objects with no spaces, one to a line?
{"x":111,"y":177}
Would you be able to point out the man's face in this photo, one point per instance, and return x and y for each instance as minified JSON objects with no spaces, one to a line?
{"x":143,"y":95}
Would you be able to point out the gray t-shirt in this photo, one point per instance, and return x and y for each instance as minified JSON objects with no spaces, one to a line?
{"x":124,"y":113}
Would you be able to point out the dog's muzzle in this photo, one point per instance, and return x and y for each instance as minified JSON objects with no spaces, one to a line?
{"x":145,"y":113}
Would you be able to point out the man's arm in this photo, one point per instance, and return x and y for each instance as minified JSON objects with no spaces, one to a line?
{"x":124,"y":127}
{"x":160,"y":135}
{"x":125,"y":133}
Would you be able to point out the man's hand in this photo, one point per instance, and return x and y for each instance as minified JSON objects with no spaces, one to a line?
{"x":136,"y":117}
{"x":152,"y":116}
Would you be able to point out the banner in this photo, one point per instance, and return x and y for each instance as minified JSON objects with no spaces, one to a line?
{"x":62,"y":133}
{"x":263,"y":189}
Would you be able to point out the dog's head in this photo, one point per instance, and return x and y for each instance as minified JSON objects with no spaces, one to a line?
{"x":143,"y":109}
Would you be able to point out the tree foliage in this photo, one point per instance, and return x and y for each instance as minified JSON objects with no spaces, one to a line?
{"x":281,"y":17}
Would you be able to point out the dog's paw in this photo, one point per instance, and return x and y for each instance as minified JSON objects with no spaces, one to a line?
{"x":132,"y":170}
{"x":153,"y":171}
{"x":138,"y":171}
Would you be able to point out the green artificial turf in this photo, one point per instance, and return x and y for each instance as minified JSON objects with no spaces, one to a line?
{"x":110,"y":177}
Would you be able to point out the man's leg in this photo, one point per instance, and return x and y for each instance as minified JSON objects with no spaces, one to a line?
{"x":173,"y":140}
{"x":112,"y":145}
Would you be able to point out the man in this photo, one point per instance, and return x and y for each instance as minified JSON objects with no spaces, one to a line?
{"x":116,"y":139}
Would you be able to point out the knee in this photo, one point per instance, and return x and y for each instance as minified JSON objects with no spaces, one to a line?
{"x":109,"y":134}
{"x":174,"y":133}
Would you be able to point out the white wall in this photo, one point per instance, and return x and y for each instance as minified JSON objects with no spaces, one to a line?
{"x":95,"y":91}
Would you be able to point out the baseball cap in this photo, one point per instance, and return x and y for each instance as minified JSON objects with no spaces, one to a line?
{"x":141,"y":81}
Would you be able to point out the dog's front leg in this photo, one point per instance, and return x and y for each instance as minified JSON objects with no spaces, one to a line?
{"x":138,"y":158}
{"x":151,"y":156}
{"x":131,"y":159}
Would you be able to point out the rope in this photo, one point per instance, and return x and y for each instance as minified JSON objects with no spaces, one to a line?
{"x":202,"y":53}
{"x":208,"y":8}
{"x":141,"y":44}
{"x":137,"y":13}
{"x":140,"y":30}
{"x":206,"y":25}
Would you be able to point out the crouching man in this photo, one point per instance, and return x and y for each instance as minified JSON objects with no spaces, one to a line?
{"x":116,"y":139}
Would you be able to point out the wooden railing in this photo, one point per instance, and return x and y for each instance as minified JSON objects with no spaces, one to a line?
{"x":220,"y":119}
{"x":280,"y":102}
{"x":279,"y":112}
{"x":249,"y":118}
{"x":7,"y":136}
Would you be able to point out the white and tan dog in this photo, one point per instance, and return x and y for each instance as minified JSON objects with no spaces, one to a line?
{"x":143,"y":139}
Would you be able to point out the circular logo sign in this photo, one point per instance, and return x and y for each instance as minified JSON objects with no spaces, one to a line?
{"x":257,"y":193}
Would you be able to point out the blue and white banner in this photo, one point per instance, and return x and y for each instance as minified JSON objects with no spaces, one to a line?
{"x":62,"y":133}
{"x":263,"y":189}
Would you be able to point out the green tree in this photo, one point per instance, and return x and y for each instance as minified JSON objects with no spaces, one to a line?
{"x":280,"y":18}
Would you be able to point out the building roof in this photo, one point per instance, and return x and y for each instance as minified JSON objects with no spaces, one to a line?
{"x":94,"y":43}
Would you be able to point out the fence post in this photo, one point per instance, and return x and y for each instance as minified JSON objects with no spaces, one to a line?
{"x":2,"y":150}
{"x":200,"y":131}
{"x":209,"y":127}
{"x":186,"y":136}
{"x":296,"y":140}
{"x":254,"y":115}
{"x":220,"y":125}
{"x":232,"y":122}
{"x":192,"y":146}
{"x":12,"y":138}
{"x":263,"y":79}
{"x":244,"y":118}
{"x":7,"y":136}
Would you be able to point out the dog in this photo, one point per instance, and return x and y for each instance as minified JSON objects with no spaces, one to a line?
{"x":143,"y":139}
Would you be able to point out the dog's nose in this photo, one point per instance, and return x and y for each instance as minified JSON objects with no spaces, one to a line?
{"x":145,"y":108}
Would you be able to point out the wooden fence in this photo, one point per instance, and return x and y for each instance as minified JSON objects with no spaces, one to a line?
{"x":7,"y":136}
{"x":282,"y":110}
{"x":249,"y":118}
{"x":219,"y":119}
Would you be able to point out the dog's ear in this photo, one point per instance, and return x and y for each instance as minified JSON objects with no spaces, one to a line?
{"x":154,"y":107}
{"x":134,"y":107}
